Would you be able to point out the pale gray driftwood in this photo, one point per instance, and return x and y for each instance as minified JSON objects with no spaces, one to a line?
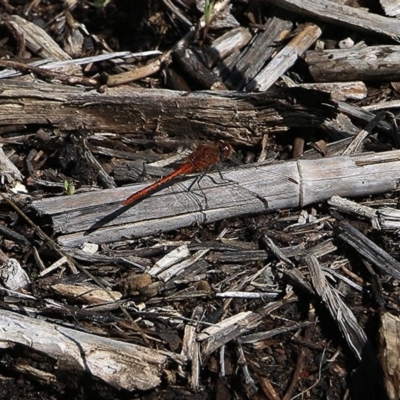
{"x":99,"y":217}
{"x":259,"y":336}
{"x":389,"y":218}
{"x":215,"y":336}
{"x":46,"y":64}
{"x":374,"y":63}
{"x":364,"y":116}
{"x":122,"y":365}
{"x":354,"y":18}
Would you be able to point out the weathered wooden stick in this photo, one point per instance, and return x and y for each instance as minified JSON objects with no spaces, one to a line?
{"x":373,"y":63}
{"x":241,"y":117}
{"x":122,"y":365}
{"x":99,"y":217}
{"x":338,"y":90}
{"x":227,"y":44}
{"x":350,"y":17}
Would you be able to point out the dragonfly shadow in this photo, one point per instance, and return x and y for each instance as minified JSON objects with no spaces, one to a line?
{"x":108,"y":218}
{"x":119,"y":211}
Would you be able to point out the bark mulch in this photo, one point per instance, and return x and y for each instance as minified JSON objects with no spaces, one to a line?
{"x":272,"y":272}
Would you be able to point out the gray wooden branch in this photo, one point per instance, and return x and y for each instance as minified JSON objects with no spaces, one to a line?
{"x":99,"y":217}
{"x":373,"y":63}
{"x":350,"y":17}
{"x":240,"y":117}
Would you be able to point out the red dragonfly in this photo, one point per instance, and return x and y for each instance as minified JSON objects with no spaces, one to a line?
{"x":204,"y":157}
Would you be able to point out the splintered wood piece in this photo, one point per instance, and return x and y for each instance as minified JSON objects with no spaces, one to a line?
{"x":363,"y":115}
{"x":249,"y":63}
{"x":248,"y":382}
{"x":28,"y":370}
{"x":215,"y":336}
{"x":268,"y":389}
{"x":386,"y":105}
{"x":368,"y":249}
{"x":285,"y":58}
{"x":174,"y":257}
{"x":389,"y":350}
{"x":357,"y":19}
{"x":389,"y":218}
{"x":261,"y":336}
{"x":344,"y":317}
{"x":227,"y":44}
{"x":8,"y":170}
{"x":37,"y":40}
{"x":373,"y":63}
{"x":98,"y":219}
{"x":384,"y":218}
{"x":177,"y":269}
{"x":191,"y":347}
{"x":122,"y":365}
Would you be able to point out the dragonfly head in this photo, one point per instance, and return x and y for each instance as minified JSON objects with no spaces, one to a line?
{"x":225,"y":150}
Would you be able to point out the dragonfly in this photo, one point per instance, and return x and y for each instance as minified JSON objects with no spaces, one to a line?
{"x":203,"y":158}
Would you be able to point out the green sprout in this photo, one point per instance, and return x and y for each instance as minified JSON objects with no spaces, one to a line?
{"x":208,"y":14}
{"x":100,"y":3}
{"x":208,"y":9}
{"x":69,"y":187}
